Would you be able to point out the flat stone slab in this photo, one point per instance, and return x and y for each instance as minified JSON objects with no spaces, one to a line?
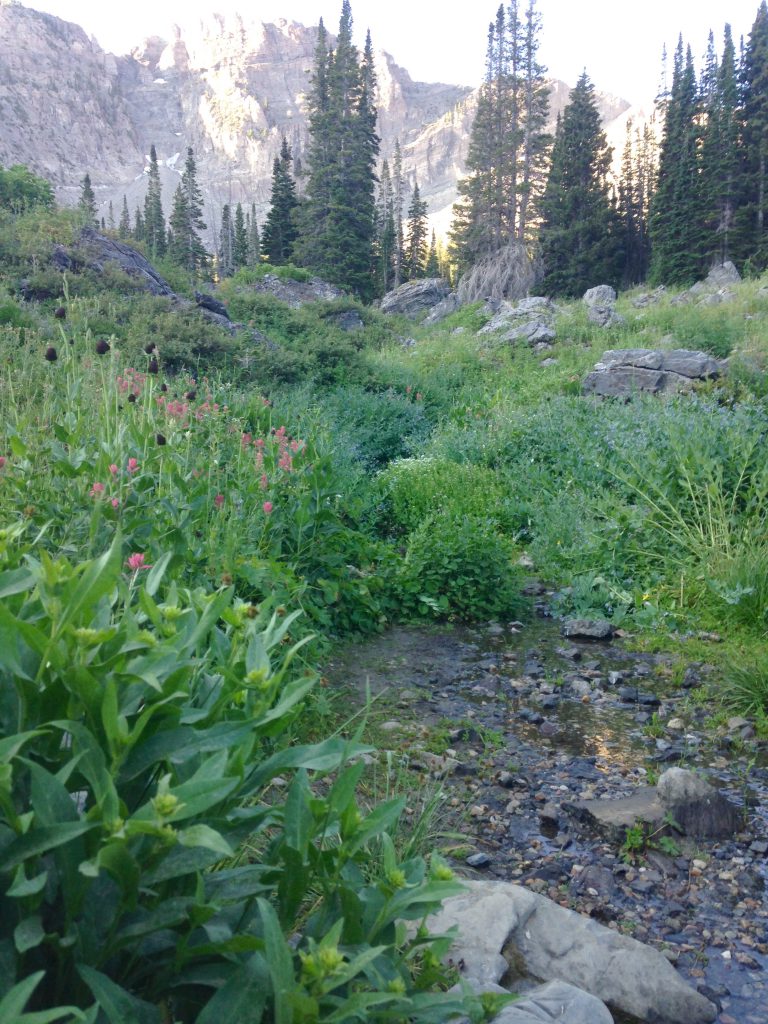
{"x":624,"y":372}
{"x":556,"y":1001}
{"x":588,"y":629}
{"x":612,"y":818}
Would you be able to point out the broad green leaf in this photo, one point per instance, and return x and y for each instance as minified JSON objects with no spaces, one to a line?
{"x":323,"y":756}
{"x":381,"y":819}
{"x":41,"y":840}
{"x":28,"y":933}
{"x":21,"y":887}
{"x":11,"y":745}
{"x":16,"y":581}
{"x":297,"y":827}
{"x":241,"y":998}
{"x":280,"y":962}
{"x":13,"y":1003}
{"x":97,"y":580}
{"x":154,"y":577}
{"x":203,"y":835}
{"x":119,"y":1006}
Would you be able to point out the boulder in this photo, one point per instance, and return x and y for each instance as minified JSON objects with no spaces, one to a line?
{"x":297,"y":293}
{"x":723,"y":275}
{"x":612,"y":818}
{"x":622,"y":373}
{"x":602,"y":295}
{"x":696,"y":806}
{"x":605,"y":316}
{"x":443,"y":309}
{"x":213,"y":305}
{"x":555,"y":1001}
{"x":588,"y":629}
{"x":415,"y":299}
{"x":532,"y":333}
{"x":347,"y":320}
{"x":94,"y":251}
{"x":506,"y":932}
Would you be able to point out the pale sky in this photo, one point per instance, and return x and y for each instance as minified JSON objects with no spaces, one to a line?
{"x":618,"y":44}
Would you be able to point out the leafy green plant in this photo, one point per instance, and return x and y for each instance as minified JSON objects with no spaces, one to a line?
{"x":461,"y":566}
{"x":642,"y":836}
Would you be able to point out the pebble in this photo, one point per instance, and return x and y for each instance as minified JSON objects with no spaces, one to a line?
{"x":478,"y":860}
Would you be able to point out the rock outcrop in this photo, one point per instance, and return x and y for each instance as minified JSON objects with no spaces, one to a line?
{"x":531,"y":321}
{"x":231,"y":88}
{"x":696,"y":806}
{"x":94,"y":252}
{"x":622,"y":373}
{"x":507,"y":933}
{"x":297,"y":293}
{"x":416,"y":299}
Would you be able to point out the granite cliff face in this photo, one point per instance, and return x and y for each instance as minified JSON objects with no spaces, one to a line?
{"x":230,"y":89}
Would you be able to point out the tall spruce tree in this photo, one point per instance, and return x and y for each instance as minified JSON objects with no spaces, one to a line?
{"x":337,"y":219}
{"x":240,"y":240}
{"x":254,"y":241}
{"x":398,"y":209}
{"x":124,"y":227}
{"x":154,"y":221}
{"x":499,"y":199}
{"x":386,"y":234}
{"x":225,"y":255}
{"x":432,"y":268}
{"x":279,"y":231}
{"x":580,"y":234}
{"x":719,"y":154}
{"x":87,"y":200}
{"x":416,"y":242}
{"x":635,"y":188}
{"x":678,"y":211}
{"x":187,"y":220}
{"x":752,"y":224}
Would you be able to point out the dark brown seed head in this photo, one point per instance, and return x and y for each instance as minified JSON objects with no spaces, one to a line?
{"x":50,"y":354}
{"x":191,"y":395}
{"x":102,"y":347}
{"x":131,"y":398}
{"x":150,"y":348}
{"x":163,"y":387}
{"x":60,"y":313}
{"x":160,"y":438}
{"x":153,"y":367}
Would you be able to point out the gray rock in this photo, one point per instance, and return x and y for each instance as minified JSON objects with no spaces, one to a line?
{"x":698,"y":808}
{"x":588,"y":629}
{"x":212,"y":304}
{"x":542,"y":940}
{"x":533,"y":333}
{"x":612,"y":818}
{"x":415,"y":299}
{"x":595,"y":880}
{"x":556,"y":1001}
{"x":625,"y":372}
{"x":443,"y":309}
{"x":348,"y":320}
{"x":605,"y":316}
{"x":95,"y":251}
{"x":297,"y":293}
{"x":723,"y":275}
{"x":602,"y":295}
{"x":478,"y":860}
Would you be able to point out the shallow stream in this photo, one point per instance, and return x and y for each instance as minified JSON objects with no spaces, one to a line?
{"x":516,"y":722}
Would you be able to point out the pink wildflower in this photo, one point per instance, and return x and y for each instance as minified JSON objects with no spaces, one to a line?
{"x":113,"y":469}
{"x":245,"y":440}
{"x":285,"y":462}
{"x":133,"y":465}
{"x":97,"y":490}
{"x":263,"y":482}
{"x":2,"y":461}
{"x":115,"y":503}
{"x":137,"y":561}
{"x":267,"y":506}
{"x":419,"y":396}
{"x":218,"y":501}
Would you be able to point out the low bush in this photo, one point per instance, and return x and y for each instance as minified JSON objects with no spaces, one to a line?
{"x":461,"y":567}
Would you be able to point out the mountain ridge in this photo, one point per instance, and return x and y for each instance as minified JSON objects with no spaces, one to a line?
{"x":230,"y":90}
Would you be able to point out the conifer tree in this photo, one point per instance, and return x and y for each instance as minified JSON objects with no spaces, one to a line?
{"x":279,"y":231}
{"x":226,"y":260}
{"x":154,"y":221}
{"x":416,"y":242}
{"x":398,"y":208}
{"x":87,"y":201}
{"x":124,"y":227}
{"x":254,"y":242}
{"x":432,"y":268}
{"x":751,"y":222}
{"x":386,"y":235}
{"x":138,"y":225}
{"x":240,"y":241}
{"x":111,"y":216}
{"x":337,"y":219}
{"x":580,"y":230}
{"x":187,"y":220}
{"x":635,"y":187}
{"x":678,"y":212}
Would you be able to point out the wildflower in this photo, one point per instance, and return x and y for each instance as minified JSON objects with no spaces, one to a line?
{"x":137,"y":561}
{"x":267,"y":506}
{"x":263,"y":482}
{"x":150,"y":348}
{"x":97,"y":490}
{"x":408,"y":389}
{"x":115,"y":503}
{"x":160,"y":438}
{"x":419,"y":396}
{"x":2,"y":461}
{"x":113,"y":469}
{"x":60,"y":313}
{"x":102,"y":347}
{"x":131,"y":397}
{"x":163,"y":387}
{"x":50,"y":354}
{"x":245,"y":440}
{"x":153,"y":366}
{"x":218,"y":501}
{"x":191,"y":395}
{"x":133,"y":465}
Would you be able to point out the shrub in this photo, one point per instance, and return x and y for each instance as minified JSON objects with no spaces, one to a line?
{"x":461,"y":566}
